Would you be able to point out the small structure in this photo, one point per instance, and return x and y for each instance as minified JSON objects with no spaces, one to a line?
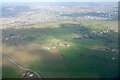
{"x":18,"y":36}
{"x":113,"y":58}
{"x":13,"y":36}
{"x":31,"y":75}
{"x":24,"y":74}
{"x":46,"y":48}
{"x":53,"y":47}
{"x":22,"y":37}
{"x":101,"y":32}
{"x":68,"y":45}
{"x":107,"y":49}
{"x":65,"y":45}
{"x":115,"y":50}
{"x":93,"y":31}
{"x":28,"y":73}
{"x":6,"y":38}
{"x":112,"y":49}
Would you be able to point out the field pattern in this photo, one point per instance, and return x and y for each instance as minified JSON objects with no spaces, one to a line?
{"x":70,"y":49}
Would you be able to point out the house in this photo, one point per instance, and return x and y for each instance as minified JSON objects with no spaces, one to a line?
{"x":31,"y":74}
{"x":112,"y":49}
{"x":68,"y":45}
{"x":113,"y":58}
{"x":6,"y":38}
{"x":18,"y":36}
{"x":101,"y":32}
{"x":65,"y":45}
{"x":28,"y":73}
{"x":13,"y":36}
{"x":93,"y":31}
{"x":46,"y":48}
{"x":115,"y":50}
{"x":24,"y":74}
{"x":60,"y":44}
{"x":22,"y":37}
{"x":53,"y":47}
{"x":107,"y":49}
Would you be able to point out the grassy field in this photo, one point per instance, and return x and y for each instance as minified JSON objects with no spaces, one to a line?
{"x":82,"y":59}
{"x":9,"y":70}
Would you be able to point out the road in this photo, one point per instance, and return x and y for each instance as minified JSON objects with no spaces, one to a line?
{"x":10,"y":59}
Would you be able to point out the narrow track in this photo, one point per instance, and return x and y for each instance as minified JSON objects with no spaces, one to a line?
{"x":22,"y":68}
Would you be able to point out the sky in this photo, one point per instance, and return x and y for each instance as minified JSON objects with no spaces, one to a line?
{"x":60,"y":0}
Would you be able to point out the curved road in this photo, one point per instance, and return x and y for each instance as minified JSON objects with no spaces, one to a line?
{"x":38,"y":75}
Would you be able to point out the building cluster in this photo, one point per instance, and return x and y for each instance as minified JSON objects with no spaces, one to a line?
{"x":13,"y":37}
{"x":28,"y":74}
{"x":113,"y":50}
{"x":49,"y":46}
{"x":109,"y":29}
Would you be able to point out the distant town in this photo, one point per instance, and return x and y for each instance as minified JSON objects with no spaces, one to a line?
{"x":35,"y":13}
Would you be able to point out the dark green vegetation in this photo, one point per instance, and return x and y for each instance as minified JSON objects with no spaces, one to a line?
{"x":83,"y":58}
{"x":10,"y":73}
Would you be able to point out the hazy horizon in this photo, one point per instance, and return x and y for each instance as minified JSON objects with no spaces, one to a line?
{"x":60,"y":0}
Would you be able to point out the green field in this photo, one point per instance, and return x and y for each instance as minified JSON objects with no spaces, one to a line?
{"x":82,"y":59}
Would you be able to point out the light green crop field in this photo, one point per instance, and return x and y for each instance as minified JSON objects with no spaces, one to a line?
{"x":83,"y":58}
